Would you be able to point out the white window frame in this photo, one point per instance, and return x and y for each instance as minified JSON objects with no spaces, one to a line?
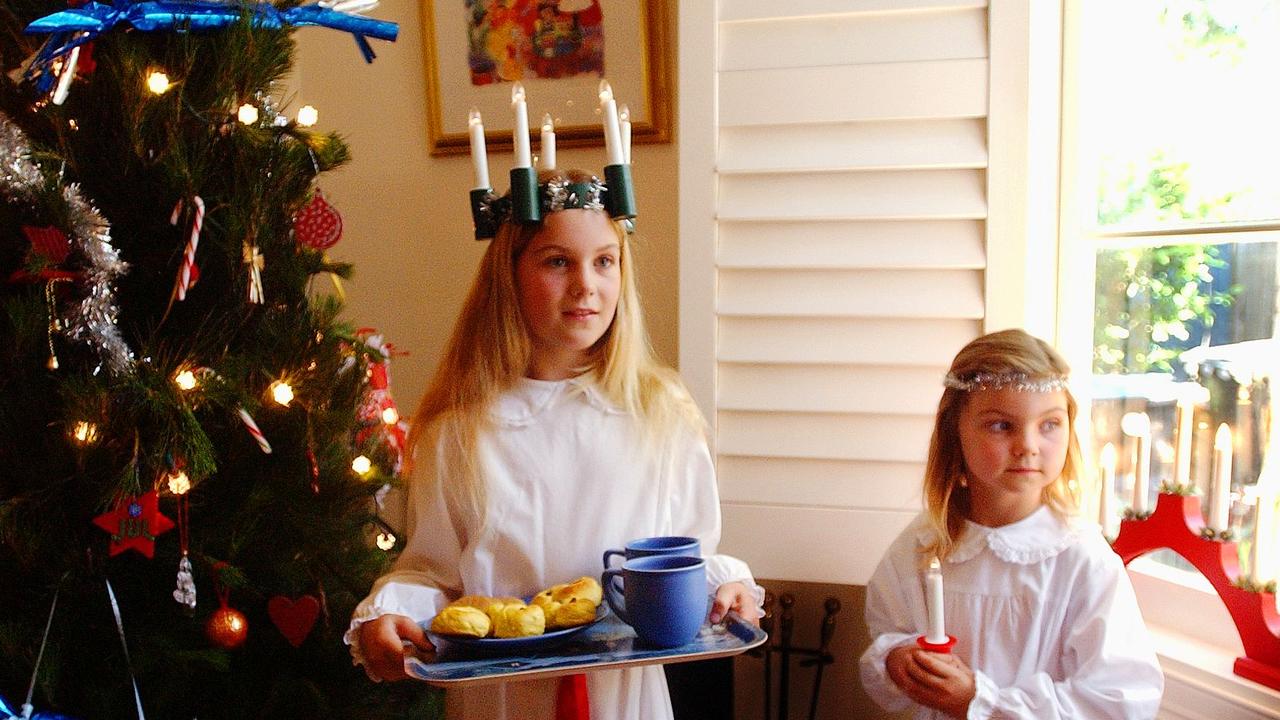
{"x":1195,"y":637}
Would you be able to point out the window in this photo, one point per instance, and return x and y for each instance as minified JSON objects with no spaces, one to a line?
{"x":1171,"y":209}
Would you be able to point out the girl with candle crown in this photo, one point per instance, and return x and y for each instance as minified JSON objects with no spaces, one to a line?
{"x":549,"y":433}
{"x":1044,"y":618}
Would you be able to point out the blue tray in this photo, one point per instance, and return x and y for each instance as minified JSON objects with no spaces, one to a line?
{"x":609,"y":643}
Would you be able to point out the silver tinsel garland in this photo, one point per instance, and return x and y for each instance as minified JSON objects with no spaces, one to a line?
{"x":95,"y":319}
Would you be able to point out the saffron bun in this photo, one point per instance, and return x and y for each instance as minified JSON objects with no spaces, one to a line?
{"x":484,"y":602}
{"x":570,"y":604}
{"x":461,"y":620}
{"x":514,"y":620}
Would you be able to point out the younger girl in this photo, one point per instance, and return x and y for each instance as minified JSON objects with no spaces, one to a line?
{"x":548,"y":434}
{"x":1045,"y":619}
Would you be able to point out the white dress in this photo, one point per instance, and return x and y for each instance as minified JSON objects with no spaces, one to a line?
{"x":567,"y":477}
{"x":1041,"y":610}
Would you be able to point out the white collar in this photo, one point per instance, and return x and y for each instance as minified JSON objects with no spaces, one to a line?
{"x":523,"y":402}
{"x":1035,"y":538}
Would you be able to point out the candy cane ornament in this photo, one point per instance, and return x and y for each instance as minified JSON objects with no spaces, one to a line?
{"x":189,"y":254}
{"x":254,"y":430}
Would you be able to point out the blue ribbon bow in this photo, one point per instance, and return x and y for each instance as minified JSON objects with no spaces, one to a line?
{"x":73,"y":27}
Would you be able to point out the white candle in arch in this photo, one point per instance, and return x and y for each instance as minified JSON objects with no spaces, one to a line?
{"x":1182,"y":459}
{"x":624,"y":126}
{"x":547,"y":150}
{"x":1220,"y":487}
{"x":1107,"y":509}
{"x":520,"y":134}
{"x":937,"y":633}
{"x":479,"y":160}
{"x":1138,"y":425}
{"x":609,"y":119}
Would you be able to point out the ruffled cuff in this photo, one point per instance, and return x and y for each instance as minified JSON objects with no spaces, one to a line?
{"x":723,"y":569}
{"x":875,"y":677}
{"x":983,"y":704}
{"x":418,"y":602}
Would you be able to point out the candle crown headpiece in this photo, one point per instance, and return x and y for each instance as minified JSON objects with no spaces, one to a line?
{"x":1020,"y":381}
{"x":558,"y":193}
{"x":528,"y":200}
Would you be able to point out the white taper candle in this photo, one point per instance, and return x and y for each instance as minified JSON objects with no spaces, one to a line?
{"x":547,"y":150}
{"x":624,"y":127}
{"x":1220,"y":487}
{"x":1182,"y":458}
{"x":479,"y":159}
{"x":520,"y":135}
{"x":612,"y":133}
{"x":1138,"y":425}
{"x":1107,"y":507}
{"x":933,"y":602}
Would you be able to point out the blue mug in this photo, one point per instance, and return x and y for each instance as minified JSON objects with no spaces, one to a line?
{"x":663,"y":597}
{"x":662,"y":545}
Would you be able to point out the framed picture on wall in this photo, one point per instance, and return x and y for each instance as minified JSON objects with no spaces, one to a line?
{"x":559,"y":50}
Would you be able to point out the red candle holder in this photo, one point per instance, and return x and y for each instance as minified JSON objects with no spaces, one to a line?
{"x":1176,"y":524}
{"x":944,"y":648}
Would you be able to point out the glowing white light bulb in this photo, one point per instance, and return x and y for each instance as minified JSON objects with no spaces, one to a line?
{"x":248,"y":114}
{"x":158,"y":82}
{"x":185,"y":380}
{"x":281,"y":392}
{"x":361,"y":465}
{"x":390,"y":416}
{"x":179,"y":483}
{"x":85,"y":432}
{"x":386,"y":540}
{"x":308,"y":115}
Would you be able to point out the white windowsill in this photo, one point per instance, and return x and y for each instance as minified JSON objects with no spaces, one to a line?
{"x":1198,"y":644}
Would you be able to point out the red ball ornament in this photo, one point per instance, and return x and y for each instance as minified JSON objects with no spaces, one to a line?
{"x":227,"y":628}
{"x":318,"y":225}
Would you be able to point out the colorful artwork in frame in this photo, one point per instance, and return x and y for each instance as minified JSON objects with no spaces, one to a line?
{"x":510,"y":40}
{"x":559,"y":50}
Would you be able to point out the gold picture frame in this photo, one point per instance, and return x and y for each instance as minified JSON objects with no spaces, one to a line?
{"x":636,"y":67}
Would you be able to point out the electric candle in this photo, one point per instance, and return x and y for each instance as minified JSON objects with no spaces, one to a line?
{"x":1138,"y":425}
{"x":624,"y":125}
{"x":1182,"y":458}
{"x":937,"y":634}
{"x":1220,"y":512}
{"x":547,"y":161}
{"x":520,"y":135}
{"x":1108,"y":509}
{"x":612,"y":134}
{"x":1266,"y":538}
{"x":479,"y":161}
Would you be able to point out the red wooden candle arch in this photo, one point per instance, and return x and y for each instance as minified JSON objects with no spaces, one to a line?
{"x":1176,"y":524}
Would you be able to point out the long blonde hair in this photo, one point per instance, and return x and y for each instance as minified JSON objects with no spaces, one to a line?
{"x":946,"y":498}
{"x":489,"y":352}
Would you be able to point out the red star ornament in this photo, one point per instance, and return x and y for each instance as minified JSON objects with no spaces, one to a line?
{"x":134,"y":524}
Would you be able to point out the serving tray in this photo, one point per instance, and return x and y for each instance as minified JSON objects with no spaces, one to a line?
{"x":608,"y":644}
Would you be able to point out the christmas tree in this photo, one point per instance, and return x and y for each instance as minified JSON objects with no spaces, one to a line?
{"x":192,"y":441}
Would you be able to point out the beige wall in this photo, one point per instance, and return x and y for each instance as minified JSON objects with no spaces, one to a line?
{"x":407,"y":224}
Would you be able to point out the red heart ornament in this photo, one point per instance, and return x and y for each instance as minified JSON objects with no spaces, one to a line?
{"x":294,"y":618}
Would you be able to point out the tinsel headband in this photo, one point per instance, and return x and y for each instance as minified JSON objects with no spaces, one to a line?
{"x":1020,"y":381}
{"x":528,"y":201}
